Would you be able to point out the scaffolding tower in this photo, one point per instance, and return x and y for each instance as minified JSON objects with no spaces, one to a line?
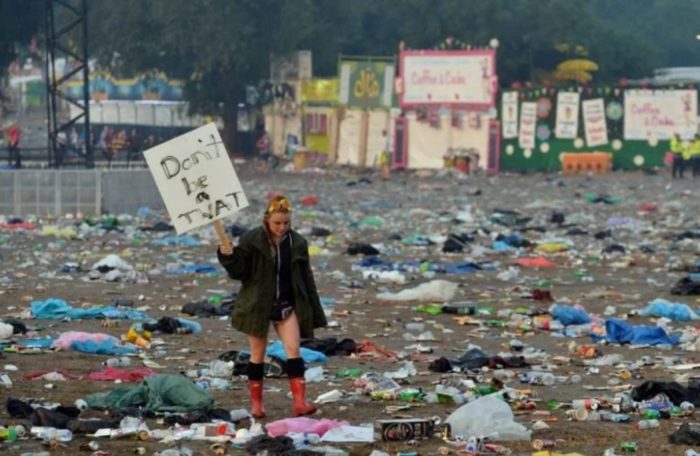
{"x":67,"y":19}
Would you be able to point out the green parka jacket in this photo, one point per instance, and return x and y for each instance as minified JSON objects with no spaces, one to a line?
{"x":252,"y":263}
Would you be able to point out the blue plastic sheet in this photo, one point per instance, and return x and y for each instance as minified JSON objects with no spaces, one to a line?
{"x":187,"y":241}
{"x":500,"y":246}
{"x":675,"y":311}
{"x":570,"y":315}
{"x":374,"y":263}
{"x":621,"y":332}
{"x":106,"y":347}
{"x":276,"y":349}
{"x":58,"y":309}
{"x":37,"y":343}
{"x":194,"y":269}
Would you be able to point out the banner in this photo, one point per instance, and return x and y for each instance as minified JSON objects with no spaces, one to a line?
{"x":366,"y":83}
{"x":196,"y":179}
{"x":319,"y":90}
{"x":528,"y":119}
{"x":594,"y":122}
{"x":567,"y":115}
{"x":448,"y":78}
{"x":509,"y":104}
{"x":660,"y":113}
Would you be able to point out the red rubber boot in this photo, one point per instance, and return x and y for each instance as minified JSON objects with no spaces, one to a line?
{"x":255,"y":387}
{"x":300,"y":406}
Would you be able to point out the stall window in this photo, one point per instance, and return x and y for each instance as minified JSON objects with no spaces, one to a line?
{"x":316,"y":124}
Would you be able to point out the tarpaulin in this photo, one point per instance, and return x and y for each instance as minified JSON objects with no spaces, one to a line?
{"x":159,"y":393}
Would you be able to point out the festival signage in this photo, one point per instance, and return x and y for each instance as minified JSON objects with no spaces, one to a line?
{"x":528,"y":120}
{"x":594,"y":122}
{"x":509,"y":103}
{"x":567,"y":115}
{"x":461,"y":78}
{"x":366,"y":83}
{"x":196,"y":179}
{"x":660,"y":113}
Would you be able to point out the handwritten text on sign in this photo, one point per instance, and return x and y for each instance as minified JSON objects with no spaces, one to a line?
{"x":196,"y":179}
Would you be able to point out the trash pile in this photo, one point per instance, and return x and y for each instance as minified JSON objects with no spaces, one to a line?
{"x":501,"y":315}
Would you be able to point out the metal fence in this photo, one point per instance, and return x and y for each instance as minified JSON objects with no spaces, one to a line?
{"x":91,"y":192}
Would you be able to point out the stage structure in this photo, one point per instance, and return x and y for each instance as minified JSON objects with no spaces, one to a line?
{"x":72,"y":15}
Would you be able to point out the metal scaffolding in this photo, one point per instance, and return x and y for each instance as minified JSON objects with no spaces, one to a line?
{"x":74,"y":25}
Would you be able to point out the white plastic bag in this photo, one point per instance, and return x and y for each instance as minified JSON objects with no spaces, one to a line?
{"x":487,"y":415}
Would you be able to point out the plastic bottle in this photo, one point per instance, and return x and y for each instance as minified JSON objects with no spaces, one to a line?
{"x":51,"y":433}
{"x":117,"y":362}
{"x":646,"y":424}
{"x":651,"y":414}
{"x":218,"y":368}
{"x":219,"y":384}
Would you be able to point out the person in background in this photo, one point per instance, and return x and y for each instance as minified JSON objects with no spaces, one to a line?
{"x":264,"y":146}
{"x":686,"y":155}
{"x":385,"y":156}
{"x":695,"y":156}
{"x":133,"y":146}
{"x":272,"y":263}
{"x":14,"y":135}
{"x":678,"y":164}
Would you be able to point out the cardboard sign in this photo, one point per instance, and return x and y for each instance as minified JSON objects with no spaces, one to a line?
{"x":196,"y":179}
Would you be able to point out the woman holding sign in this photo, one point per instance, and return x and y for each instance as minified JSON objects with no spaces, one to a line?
{"x":272,"y":263}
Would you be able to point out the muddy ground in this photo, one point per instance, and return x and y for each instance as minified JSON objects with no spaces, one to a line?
{"x":411,"y":203}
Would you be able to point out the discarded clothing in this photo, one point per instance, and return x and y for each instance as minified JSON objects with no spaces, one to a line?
{"x":475,"y":358}
{"x":361,"y":249}
{"x":198,"y":416}
{"x":171,"y":325}
{"x":205,"y":309}
{"x":455,"y":242}
{"x":124,"y":375}
{"x":330,"y":346}
{"x":160,"y":226}
{"x":264,"y":444}
{"x":687,"y":434}
{"x":686,"y":287}
{"x":676,"y":392}
{"x":159,"y":393}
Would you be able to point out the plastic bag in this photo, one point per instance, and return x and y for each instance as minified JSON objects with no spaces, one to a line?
{"x":487,"y":415}
{"x":435,"y":290}
{"x":673,"y":310}
{"x":570,"y":315}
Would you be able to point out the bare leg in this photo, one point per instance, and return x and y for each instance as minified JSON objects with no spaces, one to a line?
{"x":288,"y":331}
{"x":257,"y":349}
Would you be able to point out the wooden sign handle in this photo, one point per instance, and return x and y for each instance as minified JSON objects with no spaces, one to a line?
{"x":221,"y":232}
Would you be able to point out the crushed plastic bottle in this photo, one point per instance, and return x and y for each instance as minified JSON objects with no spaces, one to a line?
{"x":51,"y":433}
{"x":117,"y":362}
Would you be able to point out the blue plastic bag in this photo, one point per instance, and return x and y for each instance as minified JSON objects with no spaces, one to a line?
{"x":570,"y":315}
{"x":276,"y":349}
{"x":621,"y":332}
{"x":675,"y":311}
